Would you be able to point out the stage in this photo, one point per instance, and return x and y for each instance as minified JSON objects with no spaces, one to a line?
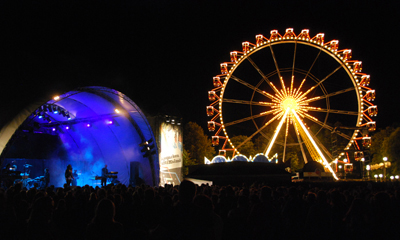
{"x":238,"y":173}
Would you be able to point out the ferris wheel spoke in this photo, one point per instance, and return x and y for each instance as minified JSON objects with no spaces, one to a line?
{"x":333,"y":111}
{"x":265,"y":78}
{"x":327,"y":76}
{"x":329,"y":95}
{"x":226,"y":100}
{"x":312,"y":65}
{"x":294,"y":57}
{"x":248,"y":85}
{"x":328,"y":127}
{"x":246,"y":119}
{"x":256,"y":132}
{"x":276,"y":62}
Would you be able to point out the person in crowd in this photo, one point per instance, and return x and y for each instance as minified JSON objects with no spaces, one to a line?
{"x":103,"y":225}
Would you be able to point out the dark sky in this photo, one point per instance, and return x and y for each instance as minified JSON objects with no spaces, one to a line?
{"x":165,"y":53}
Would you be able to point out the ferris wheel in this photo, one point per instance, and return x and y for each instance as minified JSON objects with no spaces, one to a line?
{"x":292,"y":91}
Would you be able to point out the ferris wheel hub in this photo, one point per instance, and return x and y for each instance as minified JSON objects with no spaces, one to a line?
{"x":289,"y":102}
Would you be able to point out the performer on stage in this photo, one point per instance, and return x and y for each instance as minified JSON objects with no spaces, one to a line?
{"x":68,"y":175}
{"x":104,"y":175}
{"x":46,"y":177}
{"x":74,"y":180}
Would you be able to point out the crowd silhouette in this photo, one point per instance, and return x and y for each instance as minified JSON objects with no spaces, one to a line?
{"x":341,"y":210}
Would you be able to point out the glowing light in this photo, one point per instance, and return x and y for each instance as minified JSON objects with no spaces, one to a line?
{"x":117,"y":110}
{"x":56,"y":98}
{"x":289,"y":103}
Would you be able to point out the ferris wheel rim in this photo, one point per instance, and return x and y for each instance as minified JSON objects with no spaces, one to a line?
{"x":320,"y":46}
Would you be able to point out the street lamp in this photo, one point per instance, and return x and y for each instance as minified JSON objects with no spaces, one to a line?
{"x":368,"y":169}
{"x":380,"y":177}
{"x":340,"y":169}
{"x":376,"y":177}
{"x":384,"y":167}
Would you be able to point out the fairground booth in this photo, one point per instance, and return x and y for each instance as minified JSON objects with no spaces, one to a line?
{"x":87,"y":128}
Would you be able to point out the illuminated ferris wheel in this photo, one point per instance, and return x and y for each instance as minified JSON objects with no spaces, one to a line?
{"x":290,"y":91}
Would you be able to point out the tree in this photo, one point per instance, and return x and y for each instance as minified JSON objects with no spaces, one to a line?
{"x":260,"y":144}
{"x":187,"y":161}
{"x":246,"y":149}
{"x":391,"y":150}
{"x":378,"y":149}
{"x":196,"y":143}
{"x":295,"y":162}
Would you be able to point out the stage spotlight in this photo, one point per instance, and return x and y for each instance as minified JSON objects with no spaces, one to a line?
{"x":66,"y":127}
{"x":68,"y":116}
{"x":109,"y":122}
{"x":53,"y":129}
{"x":167,"y":119}
{"x":88,"y":125}
{"x":148,"y":148}
{"x":117,"y":110}
{"x":56,"y":98}
{"x":172,"y":121}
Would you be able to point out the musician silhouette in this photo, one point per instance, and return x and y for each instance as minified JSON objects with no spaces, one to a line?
{"x":74,"y":180}
{"x":46,"y":177}
{"x":104,"y":175}
{"x":68,"y":175}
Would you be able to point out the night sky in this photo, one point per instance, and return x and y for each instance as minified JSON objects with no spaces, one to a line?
{"x":163,"y":54}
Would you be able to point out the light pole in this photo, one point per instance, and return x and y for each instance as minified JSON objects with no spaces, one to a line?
{"x":362,"y":168}
{"x":380,"y":177}
{"x":376,"y":177}
{"x":368,"y":169}
{"x":384,"y":168}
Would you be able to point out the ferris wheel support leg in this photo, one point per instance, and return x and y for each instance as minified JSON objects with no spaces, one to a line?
{"x":314,"y":144}
{"x":276,"y":133}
